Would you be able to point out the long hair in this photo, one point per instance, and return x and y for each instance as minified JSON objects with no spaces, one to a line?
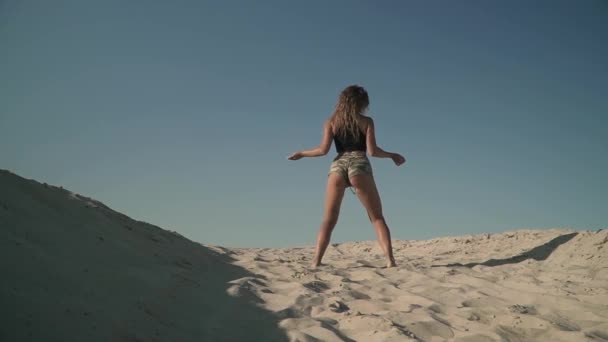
{"x":352,"y":102}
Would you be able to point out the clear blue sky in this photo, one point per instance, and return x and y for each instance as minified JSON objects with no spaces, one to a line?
{"x":182,"y":113}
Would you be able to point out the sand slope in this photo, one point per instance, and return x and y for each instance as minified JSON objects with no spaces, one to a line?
{"x":74,"y":270}
{"x":526,"y":285}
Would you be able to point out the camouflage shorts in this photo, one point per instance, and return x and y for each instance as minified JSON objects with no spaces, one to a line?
{"x":350,"y":164}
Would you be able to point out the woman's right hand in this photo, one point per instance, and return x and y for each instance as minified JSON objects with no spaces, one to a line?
{"x":295,"y":156}
{"x":397,"y":159}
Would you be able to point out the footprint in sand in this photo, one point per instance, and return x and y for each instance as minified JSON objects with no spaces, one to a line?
{"x":510,"y":334}
{"x":562,"y":323}
{"x":436,"y":308}
{"x":365,"y":263}
{"x":474,"y":317}
{"x":338,"y":307}
{"x":358,"y":295}
{"x":316,"y":286}
{"x":597,"y":335}
{"x":245,"y":290}
{"x":523,"y":309}
{"x":413,"y":307}
{"x":427,"y":330}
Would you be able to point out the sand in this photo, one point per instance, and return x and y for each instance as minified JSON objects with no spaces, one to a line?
{"x":72,"y":269}
{"x":75,"y":270}
{"x":525,"y":285}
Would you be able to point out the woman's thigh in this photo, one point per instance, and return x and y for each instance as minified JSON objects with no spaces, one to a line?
{"x":333,"y":195}
{"x":368,"y":194}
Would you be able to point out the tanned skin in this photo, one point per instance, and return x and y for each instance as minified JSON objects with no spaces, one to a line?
{"x":365,"y":187}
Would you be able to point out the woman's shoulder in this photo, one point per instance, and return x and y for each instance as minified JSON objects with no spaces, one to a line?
{"x":367,"y":121}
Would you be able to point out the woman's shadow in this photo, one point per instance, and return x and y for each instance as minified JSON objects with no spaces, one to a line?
{"x":539,"y":253}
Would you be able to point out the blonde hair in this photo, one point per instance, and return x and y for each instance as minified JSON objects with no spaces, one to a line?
{"x":352,"y":102}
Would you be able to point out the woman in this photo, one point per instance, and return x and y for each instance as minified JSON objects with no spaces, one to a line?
{"x":353,"y":134}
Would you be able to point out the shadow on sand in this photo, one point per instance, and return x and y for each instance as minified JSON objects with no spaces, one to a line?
{"x":74,"y":270}
{"x":539,"y":253}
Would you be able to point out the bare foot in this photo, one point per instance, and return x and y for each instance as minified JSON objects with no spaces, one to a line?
{"x":391,"y":263}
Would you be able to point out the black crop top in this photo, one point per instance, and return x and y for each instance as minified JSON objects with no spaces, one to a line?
{"x":350,"y":143}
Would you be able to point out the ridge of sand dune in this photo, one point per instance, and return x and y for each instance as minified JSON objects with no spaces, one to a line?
{"x":525,"y":285}
{"x":74,"y":270}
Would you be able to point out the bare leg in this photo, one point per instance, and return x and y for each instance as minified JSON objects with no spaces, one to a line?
{"x":369,"y":197}
{"x":333,"y":199}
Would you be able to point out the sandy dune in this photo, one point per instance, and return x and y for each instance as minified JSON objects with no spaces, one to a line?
{"x":75,"y":270}
{"x":526,"y":285}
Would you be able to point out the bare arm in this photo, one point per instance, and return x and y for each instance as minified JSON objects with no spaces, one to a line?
{"x":375,"y":151}
{"x":320,"y":150}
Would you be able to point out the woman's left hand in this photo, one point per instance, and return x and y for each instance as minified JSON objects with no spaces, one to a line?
{"x":295,"y":156}
{"x":397,"y":159}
